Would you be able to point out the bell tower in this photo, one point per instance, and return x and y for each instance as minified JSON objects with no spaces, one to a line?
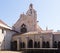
{"x":31,"y":11}
{"x":27,"y":22}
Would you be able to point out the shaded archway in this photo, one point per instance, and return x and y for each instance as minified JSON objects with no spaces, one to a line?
{"x":47,"y":44}
{"x":22,"y":45}
{"x":35,"y":44}
{"x":38,"y":45}
{"x":30,"y":43}
{"x":55,"y":44}
{"x":14,"y":45}
{"x":43,"y":44}
{"x":58,"y":44}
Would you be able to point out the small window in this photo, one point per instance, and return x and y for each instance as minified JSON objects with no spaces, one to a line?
{"x":2,"y":30}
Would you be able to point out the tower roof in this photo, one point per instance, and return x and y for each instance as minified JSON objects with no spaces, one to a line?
{"x":31,"y":5}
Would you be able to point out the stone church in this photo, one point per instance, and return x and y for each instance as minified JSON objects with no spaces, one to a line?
{"x":27,"y":34}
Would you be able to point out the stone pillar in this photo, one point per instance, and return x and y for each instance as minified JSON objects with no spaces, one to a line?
{"x":27,"y":38}
{"x":51,"y":41}
{"x":40,"y":42}
{"x":41,"y":39}
{"x":33,"y":41}
{"x":18,"y":47}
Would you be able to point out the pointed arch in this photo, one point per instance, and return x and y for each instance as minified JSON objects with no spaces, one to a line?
{"x":23,"y":25}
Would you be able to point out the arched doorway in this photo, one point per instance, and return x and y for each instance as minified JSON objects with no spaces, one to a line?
{"x":43,"y":44}
{"x":47,"y":44}
{"x":58,"y":44}
{"x":22,"y":45}
{"x":14,"y":45}
{"x":55,"y":44}
{"x":35,"y":44}
{"x":30,"y":43}
{"x":38,"y":45}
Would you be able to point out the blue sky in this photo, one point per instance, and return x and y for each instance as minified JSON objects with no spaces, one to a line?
{"x":48,"y":12}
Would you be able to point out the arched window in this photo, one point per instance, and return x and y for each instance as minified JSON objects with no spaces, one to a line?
{"x":35,"y":44}
{"x":23,"y":28}
{"x":43,"y":44}
{"x":22,"y":45}
{"x":30,"y":43}
{"x":47,"y":44}
{"x":23,"y":25}
{"x":38,"y":45}
{"x":55,"y":44}
{"x":58,"y":44}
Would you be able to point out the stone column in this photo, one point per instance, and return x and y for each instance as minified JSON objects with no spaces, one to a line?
{"x":40,"y":41}
{"x":27,"y":38}
{"x":33,"y":41}
{"x":18,"y":47}
{"x":51,"y":41}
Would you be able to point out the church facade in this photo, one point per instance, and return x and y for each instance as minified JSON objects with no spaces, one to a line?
{"x":27,"y":34}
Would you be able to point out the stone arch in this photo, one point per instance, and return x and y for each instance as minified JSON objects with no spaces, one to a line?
{"x":30,"y":43}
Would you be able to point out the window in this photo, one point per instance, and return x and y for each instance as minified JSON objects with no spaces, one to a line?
{"x":2,"y":30}
{"x":23,"y":28}
{"x":55,"y":44}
